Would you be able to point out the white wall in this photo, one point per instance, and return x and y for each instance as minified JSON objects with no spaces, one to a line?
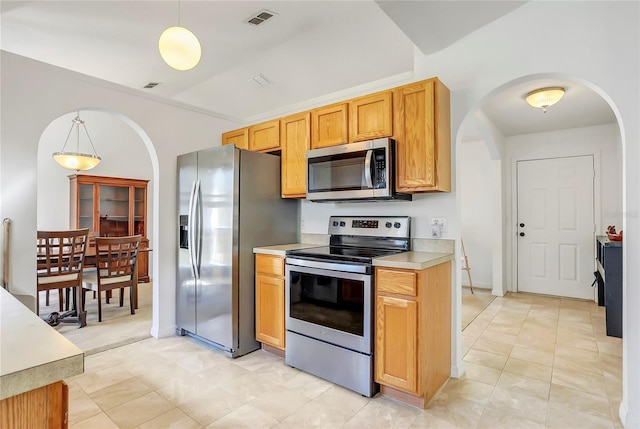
{"x":476,"y":211}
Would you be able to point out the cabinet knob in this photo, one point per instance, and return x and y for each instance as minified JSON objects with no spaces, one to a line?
{"x":522,"y":234}
{"x":522,"y":225}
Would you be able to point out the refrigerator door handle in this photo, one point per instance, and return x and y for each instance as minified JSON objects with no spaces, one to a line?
{"x":191,"y":229}
{"x":198,"y":251}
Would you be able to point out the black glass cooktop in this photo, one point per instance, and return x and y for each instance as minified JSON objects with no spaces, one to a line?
{"x":342,"y":253}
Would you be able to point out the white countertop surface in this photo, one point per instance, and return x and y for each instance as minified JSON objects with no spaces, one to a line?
{"x":413,"y":260}
{"x":408,"y":260}
{"x":32,"y":353}
{"x":281,"y":249}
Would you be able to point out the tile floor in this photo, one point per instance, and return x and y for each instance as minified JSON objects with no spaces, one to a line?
{"x":531,"y":362}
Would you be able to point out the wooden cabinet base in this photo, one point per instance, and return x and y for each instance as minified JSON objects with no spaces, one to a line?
{"x":273,"y":350}
{"x":407,"y":398}
{"x":46,"y":407}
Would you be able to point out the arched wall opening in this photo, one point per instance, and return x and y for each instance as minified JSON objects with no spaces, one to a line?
{"x":126,"y":151}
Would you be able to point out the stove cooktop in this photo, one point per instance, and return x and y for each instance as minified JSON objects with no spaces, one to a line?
{"x":342,"y":253}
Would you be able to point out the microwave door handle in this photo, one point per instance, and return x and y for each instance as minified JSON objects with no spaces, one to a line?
{"x":367,"y":169}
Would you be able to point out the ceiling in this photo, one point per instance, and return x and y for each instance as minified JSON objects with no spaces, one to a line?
{"x":309,"y":49}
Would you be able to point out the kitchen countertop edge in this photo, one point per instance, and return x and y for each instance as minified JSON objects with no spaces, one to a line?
{"x":413,"y":260}
{"x":281,"y":249}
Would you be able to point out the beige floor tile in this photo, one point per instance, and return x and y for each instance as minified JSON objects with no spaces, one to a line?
{"x":573,"y":315}
{"x":98,"y":421}
{"x":590,"y":383}
{"x":580,"y":401}
{"x":81,"y":406}
{"x":536,"y":341}
{"x":576,"y":353}
{"x":492,"y":346}
{"x":608,"y":346}
{"x":468,"y":390}
{"x":174,"y":419}
{"x":560,"y":417}
{"x":510,"y":318}
{"x":211,"y":406}
{"x":449,"y":411}
{"x":139,"y":410}
{"x":467,"y":343}
{"x":119,"y":393}
{"x":314,"y":415}
{"x":503,"y":328}
{"x":526,"y":385}
{"x":519,"y":404}
{"x":309,"y":385}
{"x":536,"y":322}
{"x":615,"y":411}
{"x":501,"y":419}
{"x":475,"y":329}
{"x":341,"y":400}
{"x":383,"y":413}
{"x":579,"y":365}
{"x":480,"y":357}
{"x":534,"y":355}
{"x":499,"y":337}
{"x":578,"y":338}
{"x":280,"y":402}
{"x":528,"y":369}
{"x":578,"y":326}
{"x":94,"y":381}
{"x":481,"y":373}
{"x":246,"y":416}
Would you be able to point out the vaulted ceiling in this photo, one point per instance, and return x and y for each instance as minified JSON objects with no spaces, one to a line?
{"x":308,"y":49}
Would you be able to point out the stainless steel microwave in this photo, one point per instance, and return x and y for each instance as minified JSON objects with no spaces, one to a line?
{"x":362,"y":171}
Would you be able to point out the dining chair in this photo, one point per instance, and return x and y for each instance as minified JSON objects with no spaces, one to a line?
{"x":116,"y":268}
{"x":60,"y":260}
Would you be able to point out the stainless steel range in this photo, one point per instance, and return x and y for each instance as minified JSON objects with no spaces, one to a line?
{"x":330,"y":299}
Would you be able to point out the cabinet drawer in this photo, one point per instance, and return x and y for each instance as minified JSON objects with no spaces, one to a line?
{"x":394,"y":281}
{"x":269,"y":264}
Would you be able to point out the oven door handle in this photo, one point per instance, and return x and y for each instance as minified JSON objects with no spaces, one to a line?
{"x":333,"y":266}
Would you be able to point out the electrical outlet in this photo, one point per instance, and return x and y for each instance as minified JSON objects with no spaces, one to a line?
{"x":442,"y":221}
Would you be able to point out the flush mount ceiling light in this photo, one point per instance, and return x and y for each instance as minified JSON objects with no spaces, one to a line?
{"x":545,"y":97}
{"x":179,"y":47}
{"x":77,"y":160}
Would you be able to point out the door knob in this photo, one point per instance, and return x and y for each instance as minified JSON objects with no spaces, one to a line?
{"x":522,"y":234}
{"x":522,"y":225}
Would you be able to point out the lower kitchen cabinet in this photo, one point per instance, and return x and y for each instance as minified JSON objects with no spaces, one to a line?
{"x":270,"y":304}
{"x":413,"y":332}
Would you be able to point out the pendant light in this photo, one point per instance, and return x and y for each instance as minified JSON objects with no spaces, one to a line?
{"x":545,"y":97}
{"x":179,"y":47}
{"x":77,"y":160}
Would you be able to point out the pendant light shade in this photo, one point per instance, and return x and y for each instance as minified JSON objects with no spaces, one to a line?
{"x":545,"y":97}
{"x":77,"y":160}
{"x":179,"y":48}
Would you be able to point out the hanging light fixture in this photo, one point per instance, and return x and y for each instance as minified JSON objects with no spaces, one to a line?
{"x":545,"y":97}
{"x":179,"y":47}
{"x":77,"y":160}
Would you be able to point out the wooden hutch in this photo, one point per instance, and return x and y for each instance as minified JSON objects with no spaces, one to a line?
{"x":111,"y":207}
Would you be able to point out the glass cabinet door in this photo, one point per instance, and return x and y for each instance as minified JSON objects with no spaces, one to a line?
{"x":85,"y":208}
{"x":114,"y":211}
{"x":139,"y":205}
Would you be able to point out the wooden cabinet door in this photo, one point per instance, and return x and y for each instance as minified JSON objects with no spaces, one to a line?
{"x":294,"y":141}
{"x":240,"y":138}
{"x":330,"y":125}
{"x":265,"y":137}
{"x":370,"y":117}
{"x":396,"y":352}
{"x":423,"y":137}
{"x":270,"y":310}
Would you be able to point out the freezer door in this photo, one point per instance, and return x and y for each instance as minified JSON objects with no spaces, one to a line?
{"x":216,"y":306}
{"x":186,"y":291}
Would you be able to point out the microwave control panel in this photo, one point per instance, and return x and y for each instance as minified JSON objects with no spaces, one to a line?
{"x":380,"y":166}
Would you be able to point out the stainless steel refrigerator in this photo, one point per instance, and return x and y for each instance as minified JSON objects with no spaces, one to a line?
{"x":228,"y":203}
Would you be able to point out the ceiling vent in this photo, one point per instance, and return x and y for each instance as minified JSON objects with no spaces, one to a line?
{"x":260,"y":17}
{"x":151,"y":85}
{"x":259,"y":80}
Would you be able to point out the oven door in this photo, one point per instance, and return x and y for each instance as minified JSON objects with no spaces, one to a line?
{"x":331,"y":306}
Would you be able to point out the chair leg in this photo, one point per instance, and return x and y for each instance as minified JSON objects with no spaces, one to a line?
{"x":121,"y":297}
{"x":37,"y":303}
{"x":67,"y":297}
{"x":46,"y":301}
{"x":99,"y":308}
{"x":131,"y":303}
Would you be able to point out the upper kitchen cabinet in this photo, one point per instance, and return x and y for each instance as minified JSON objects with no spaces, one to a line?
{"x":295,"y":136}
{"x":240,"y":138}
{"x":370,"y":117}
{"x":265,"y":137}
{"x":423,"y":137}
{"x":329,"y":125}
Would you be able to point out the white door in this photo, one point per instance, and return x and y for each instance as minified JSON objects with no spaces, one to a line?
{"x":556,"y":226}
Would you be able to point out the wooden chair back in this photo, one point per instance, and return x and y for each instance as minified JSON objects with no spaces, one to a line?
{"x":117,"y":260}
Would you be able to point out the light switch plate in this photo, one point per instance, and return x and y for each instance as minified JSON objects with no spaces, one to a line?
{"x":442,"y":221}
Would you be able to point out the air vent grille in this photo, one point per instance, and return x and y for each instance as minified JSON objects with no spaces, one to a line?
{"x":260,"y":17}
{"x":151,"y":85}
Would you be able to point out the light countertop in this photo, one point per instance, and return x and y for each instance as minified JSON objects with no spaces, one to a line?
{"x":281,"y":249}
{"x":413,"y":260}
{"x":32,"y":353}
{"x":408,"y":260}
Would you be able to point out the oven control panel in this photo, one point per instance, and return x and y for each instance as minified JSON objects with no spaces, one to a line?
{"x":378,"y":226}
